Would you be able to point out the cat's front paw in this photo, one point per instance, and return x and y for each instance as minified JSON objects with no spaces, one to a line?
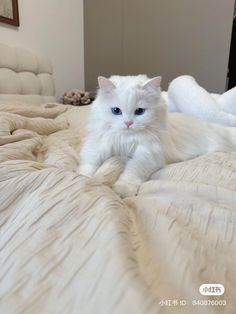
{"x":86,"y":170}
{"x":125,"y":189}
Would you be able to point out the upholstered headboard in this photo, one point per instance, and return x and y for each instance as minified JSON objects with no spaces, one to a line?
{"x":25,"y":77}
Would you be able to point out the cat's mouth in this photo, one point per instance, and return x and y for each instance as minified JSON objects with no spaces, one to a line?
{"x":133,"y":128}
{"x":128,"y":129}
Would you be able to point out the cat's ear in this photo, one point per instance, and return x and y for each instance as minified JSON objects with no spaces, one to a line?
{"x":154,"y":83}
{"x":105,"y":83}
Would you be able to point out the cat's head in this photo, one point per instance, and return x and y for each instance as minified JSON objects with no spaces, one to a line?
{"x":129,"y":103}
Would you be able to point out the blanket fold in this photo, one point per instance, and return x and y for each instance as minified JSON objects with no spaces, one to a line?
{"x":70,"y":244}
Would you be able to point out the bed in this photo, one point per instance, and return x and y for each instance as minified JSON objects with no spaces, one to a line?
{"x":69,"y":244}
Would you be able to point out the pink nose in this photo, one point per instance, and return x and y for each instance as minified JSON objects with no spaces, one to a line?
{"x":129,"y":123}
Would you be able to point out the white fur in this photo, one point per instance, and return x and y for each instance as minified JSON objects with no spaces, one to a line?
{"x":154,"y":139}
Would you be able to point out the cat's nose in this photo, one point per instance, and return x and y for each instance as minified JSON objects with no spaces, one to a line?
{"x":129,"y":123}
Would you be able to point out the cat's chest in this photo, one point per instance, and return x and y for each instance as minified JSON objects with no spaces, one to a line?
{"x":121,"y":146}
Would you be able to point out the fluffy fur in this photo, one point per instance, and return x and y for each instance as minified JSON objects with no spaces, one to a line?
{"x":153,"y":139}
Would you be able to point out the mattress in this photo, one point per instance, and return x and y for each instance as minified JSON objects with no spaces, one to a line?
{"x":70,"y":244}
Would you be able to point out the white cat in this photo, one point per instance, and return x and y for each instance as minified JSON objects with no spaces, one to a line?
{"x":129,"y":119}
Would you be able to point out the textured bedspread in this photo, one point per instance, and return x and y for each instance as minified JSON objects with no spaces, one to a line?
{"x":69,"y":244}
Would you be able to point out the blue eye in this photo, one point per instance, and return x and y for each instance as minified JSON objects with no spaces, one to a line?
{"x":139,"y":111}
{"x":116,"y":111}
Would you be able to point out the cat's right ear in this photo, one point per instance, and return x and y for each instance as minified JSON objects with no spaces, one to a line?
{"x":154,"y":83}
{"x":105,"y":83}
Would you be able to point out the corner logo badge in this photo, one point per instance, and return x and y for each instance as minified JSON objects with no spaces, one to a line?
{"x":212,"y":289}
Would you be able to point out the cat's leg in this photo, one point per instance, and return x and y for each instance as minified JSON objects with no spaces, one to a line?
{"x":87,"y":169}
{"x":138,"y":169}
{"x":90,"y":159}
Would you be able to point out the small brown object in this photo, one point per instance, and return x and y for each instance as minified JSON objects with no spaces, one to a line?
{"x":76,"y":97}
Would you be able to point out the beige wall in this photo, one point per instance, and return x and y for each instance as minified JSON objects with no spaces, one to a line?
{"x":167,"y":37}
{"x":53,"y":28}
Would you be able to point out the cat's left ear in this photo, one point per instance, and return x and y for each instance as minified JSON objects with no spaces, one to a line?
{"x":154,"y":83}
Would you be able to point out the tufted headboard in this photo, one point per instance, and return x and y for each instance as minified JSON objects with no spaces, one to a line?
{"x":25,"y":77}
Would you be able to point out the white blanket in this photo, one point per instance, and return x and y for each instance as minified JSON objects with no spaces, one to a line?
{"x":186,"y":95}
{"x":69,"y":244}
